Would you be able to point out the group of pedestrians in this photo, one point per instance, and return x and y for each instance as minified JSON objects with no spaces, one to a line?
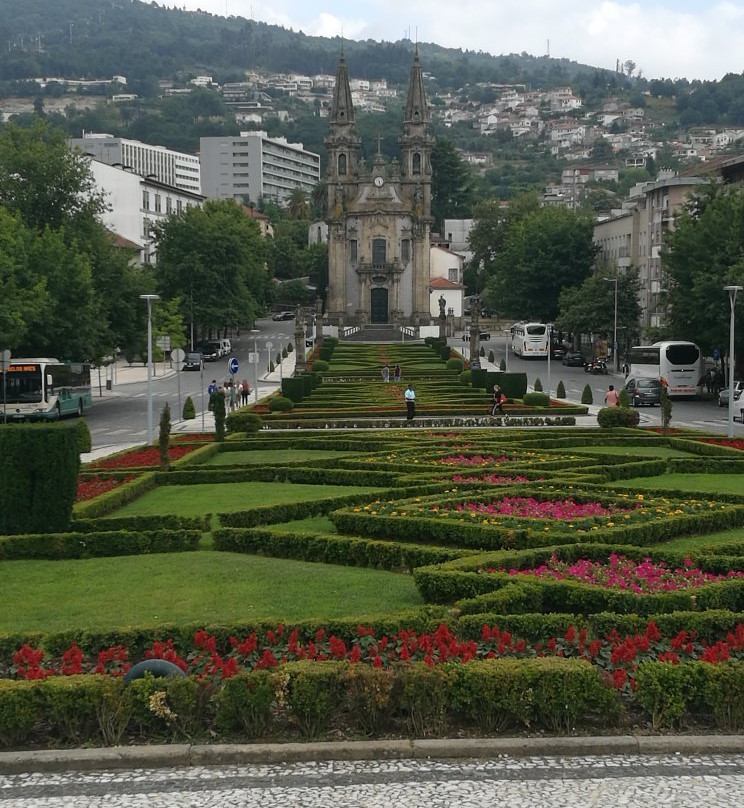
{"x":714,"y":381}
{"x":235,"y":394}
{"x":386,"y":373}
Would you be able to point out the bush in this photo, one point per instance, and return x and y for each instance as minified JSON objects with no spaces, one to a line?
{"x":164,"y":436}
{"x":560,"y":391}
{"x":289,"y":348}
{"x":465,"y":378}
{"x":586,"y":395}
{"x":666,"y":408}
{"x":280,"y":404}
{"x":189,"y":411}
{"x":536,"y":399}
{"x":247,"y":422}
{"x":538,"y":385}
{"x":502,"y":365}
{"x":455,"y":364}
{"x":217,"y":401}
{"x":85,"y":442}
{"x":609,"y":417}
{"x":622,"y":398}
{"x":491,"y":357}
{"x":482,"y":351}
{"x":320,"y":365}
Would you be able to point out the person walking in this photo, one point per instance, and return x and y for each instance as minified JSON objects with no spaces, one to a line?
{"x":498,"y":400}
{"x":611,"y":397}
{"x":386,"y":373}
{"x":396,"y":373}
{"x":410,"y":397}
{"x":245,"y":392}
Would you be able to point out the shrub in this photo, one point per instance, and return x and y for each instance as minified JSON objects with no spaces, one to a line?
{"x":586,"y":395}
{"x":455,"y":364}
{"x":536,"y":399}
{"x":622,"y":398}
{"x":280,"y":404}
{"x":482,"y":351}
{"x":217,"y":400}
{"x":666,"y":408}
{"x":502,"y":365}
{"x":164,"y":436}
{"x":189,"y":411}
{"x":289,"y":348}
{"x":560,"y":391}
{"x":85,"y":442}
{"x":491,"y":357}
{"x":465,"y":378}
{"x":609,"y":417}
{"x":538,"y":385}
{"x":247,"y":422}
{"x":320,"y":365}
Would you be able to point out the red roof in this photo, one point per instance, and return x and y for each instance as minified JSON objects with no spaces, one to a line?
{"x":443,"y":283}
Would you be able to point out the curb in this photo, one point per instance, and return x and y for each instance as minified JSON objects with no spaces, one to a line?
{"x":185,"y":755}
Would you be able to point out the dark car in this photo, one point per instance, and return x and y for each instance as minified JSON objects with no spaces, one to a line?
{"x":283,"y":315}
{"x":193,"y":361}
{"x":484,"y":336}
{"x":211,"y":351}
{"x":574,"y":359}
{"x":557,"y":352}
{"x":643,"y":391}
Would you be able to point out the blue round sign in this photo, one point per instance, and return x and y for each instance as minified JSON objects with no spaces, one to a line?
{"x":233,"y":366}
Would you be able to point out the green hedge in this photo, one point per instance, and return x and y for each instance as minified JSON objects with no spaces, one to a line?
{"x":167,"y":521}
{"x":609,"y":417}
{"x":38,"y":477}
{"x":111,"y":501}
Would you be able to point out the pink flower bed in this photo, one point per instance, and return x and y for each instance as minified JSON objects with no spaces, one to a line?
{"x":471,"y":460}
{"x":492,"y":479}
{"x":539,"y":509}
{"x":647,"y":577}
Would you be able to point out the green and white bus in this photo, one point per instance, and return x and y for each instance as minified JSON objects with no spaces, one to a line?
{"x":43,"y":389}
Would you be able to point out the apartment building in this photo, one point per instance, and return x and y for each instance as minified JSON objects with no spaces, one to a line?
{"x":173,"y":168}
{"x":252,"y":166}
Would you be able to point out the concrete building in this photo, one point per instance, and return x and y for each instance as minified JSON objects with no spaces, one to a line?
{"x":135,"y":203}
{"x":172,"y":168}
{"x":252,"y":166}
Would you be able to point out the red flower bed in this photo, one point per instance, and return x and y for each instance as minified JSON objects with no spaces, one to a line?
{"x":90,"y":487}
{"x":730,"y":442}
{"x":617,"y":656}
{"x":141,"y":458}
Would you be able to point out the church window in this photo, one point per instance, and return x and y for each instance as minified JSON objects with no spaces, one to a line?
{"x":416,"y":163}
{"x":379,"y":254}
{"x":342,"y":164}
{"x":452,"y":274}
{"x":353,"y":250}
{"x":405,"y":251}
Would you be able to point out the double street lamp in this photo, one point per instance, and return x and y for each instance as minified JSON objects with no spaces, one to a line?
{"x":732,"y":290}
{"x":149,"y":299}
{"x":615,"y":356}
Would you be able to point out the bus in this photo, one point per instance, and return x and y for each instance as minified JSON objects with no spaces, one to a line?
{"x":530,"y":340}
{"x":44,"y":389}
{"x":679,"y":364}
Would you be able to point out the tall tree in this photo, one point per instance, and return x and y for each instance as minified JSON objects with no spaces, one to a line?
{"x":705,"y":253}
{"x":451,"y":184}
{"x":544,"y":252}
{"x":212,"y":258}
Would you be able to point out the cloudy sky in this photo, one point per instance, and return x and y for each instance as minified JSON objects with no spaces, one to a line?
{"x":696,"y":39}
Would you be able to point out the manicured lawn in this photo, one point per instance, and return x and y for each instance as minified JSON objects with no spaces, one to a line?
{"x":204,"y":586}
{"x":688,"y":544}
{"x":713,"y":483}
{"x":266,"y":457}
{"x":195,"y":500}
{"x":633,"y":451}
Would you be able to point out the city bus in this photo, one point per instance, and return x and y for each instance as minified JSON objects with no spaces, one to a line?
{"x":530,"y":340}
{"x":44,"y":389}
{"x":680,"y":365}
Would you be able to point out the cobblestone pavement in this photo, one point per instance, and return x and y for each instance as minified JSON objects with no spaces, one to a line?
{"x":684,"y":781}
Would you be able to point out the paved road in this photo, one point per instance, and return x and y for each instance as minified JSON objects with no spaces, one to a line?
{"x":632,"y":781}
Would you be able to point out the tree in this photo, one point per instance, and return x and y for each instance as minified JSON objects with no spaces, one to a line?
{"x":164,"y":437}
{"x":212,"y":259}
{"x":451,"y":184}
{"x":544,"y":252}
{"x":705,"y":253}
{"x":297,"y":207}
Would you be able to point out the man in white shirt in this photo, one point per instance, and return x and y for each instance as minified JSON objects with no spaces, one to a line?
{"x":410,"y":396}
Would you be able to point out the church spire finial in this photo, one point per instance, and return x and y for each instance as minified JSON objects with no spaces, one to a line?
{"x":342,"y":107}
{"x":417,"y":110}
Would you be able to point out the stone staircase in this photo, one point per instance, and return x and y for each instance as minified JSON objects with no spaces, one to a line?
{"x":376,"y":332}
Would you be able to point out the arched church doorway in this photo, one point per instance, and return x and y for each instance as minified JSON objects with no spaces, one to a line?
{"x":379,"y":306}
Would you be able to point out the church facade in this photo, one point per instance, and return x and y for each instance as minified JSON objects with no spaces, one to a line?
{"x":379,"y":216}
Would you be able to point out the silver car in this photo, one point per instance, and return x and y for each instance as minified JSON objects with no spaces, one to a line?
{"x":723,"y":396}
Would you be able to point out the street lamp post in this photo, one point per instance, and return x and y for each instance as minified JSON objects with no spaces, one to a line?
{"x":281,"y":359}
{"x":732,"y":290}
{"x":149,"y":299}
{"x":615,"y":356}
{"x":254,"y":358}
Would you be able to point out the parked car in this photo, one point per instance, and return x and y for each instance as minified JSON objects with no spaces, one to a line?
{"x":643,"y":391}
{"x":484,"y":336}
{"x":283,"y":315}
{"x":723,"y":396}
{"x":574,"y":359}
{"x":193,"y":361}
{"x":212,"y":350}
{"x":557,"y":352}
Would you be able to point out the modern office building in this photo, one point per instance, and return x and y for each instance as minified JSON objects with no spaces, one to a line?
{"x":177,"y":169}
{"x":252,"y":166}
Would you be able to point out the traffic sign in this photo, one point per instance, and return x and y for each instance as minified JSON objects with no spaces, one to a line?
{"x":178,"y":354}
{"x":233,"y":366}
{"x":163,"y":342}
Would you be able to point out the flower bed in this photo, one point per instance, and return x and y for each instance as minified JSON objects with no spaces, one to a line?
{"x":616,"y":655}
{"x":91,"y":487}
{"x":647,"y":576}
{"x":145,"y":457}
